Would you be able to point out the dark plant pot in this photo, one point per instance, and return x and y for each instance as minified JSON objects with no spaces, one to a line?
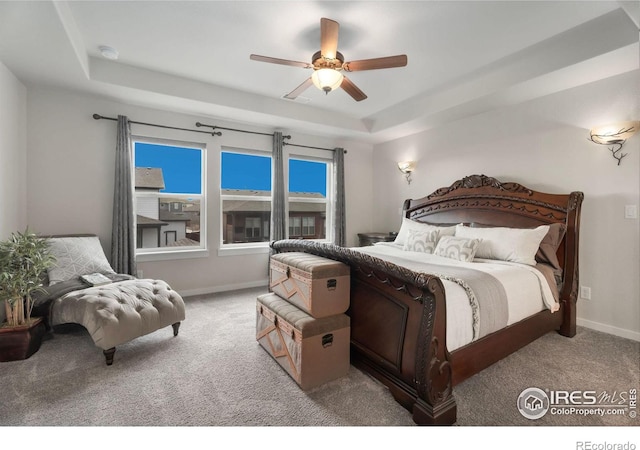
{"x":21,"y":342}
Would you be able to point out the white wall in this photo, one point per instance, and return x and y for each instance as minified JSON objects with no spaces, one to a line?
{"x":543,"y":144}
{"x":13,"y":157}
{"x":70,"y":174}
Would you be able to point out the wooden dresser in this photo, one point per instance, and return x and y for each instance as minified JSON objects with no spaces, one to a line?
{"x":370,"y":238}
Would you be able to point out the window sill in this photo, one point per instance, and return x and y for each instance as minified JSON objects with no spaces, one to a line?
{"x":244,"y":250}
{"x":177,"y":254}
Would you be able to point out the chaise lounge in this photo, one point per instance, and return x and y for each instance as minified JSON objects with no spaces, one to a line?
{"x":114,"y":313}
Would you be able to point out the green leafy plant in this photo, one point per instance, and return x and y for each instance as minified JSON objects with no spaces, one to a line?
{"x":24,"y":258}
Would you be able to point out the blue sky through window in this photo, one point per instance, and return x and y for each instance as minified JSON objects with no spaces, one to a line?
{"x":181,"y":166}
{"x":245,"y":172}
{"x":307,"y":176}
{"x":252,"y":172}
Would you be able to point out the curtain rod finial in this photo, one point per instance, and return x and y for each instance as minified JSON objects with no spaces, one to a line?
{"x":97,"y":116}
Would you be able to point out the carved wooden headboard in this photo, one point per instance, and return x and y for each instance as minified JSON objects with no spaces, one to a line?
{"x":487,"y":201}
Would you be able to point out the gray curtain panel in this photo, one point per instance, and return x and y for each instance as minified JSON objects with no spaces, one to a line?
{"x":123,"y":247}
{"x":278,"y":216}
{"x":339,"y":214}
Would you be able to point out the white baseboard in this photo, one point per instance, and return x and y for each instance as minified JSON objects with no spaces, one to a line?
{"x":628,"y":334}
{"x":224,"y":288}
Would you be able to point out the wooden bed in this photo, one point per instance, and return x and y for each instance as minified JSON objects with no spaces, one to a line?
{"x":398,"y":317}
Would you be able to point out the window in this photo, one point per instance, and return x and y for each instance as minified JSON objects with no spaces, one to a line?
{"x":246,"y":197}
{"x":252,"y":227}
{"x":169,"y":196}
{"x":295,"y":227}
{"x":308,"y":203}
{"x":308,"y":226}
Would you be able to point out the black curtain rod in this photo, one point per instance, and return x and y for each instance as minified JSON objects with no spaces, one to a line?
{"x":199,"y":124}
{"x":308,"y":146}
{"x":215,"y":133}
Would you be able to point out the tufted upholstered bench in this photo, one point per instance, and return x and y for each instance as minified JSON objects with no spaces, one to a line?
{"x":119,"y":312}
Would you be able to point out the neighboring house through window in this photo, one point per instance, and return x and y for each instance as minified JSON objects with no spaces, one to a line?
{"x":169,"y":197}
{"x":245,"y":192}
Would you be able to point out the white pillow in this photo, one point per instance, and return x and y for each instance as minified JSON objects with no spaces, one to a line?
{"x":421,"y":241}
{"x":76,"y":256}
{"x":408,"y":224}
{"x":455,"y":247}
{"x":506,"y":244}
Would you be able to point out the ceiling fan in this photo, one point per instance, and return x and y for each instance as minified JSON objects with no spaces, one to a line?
{"x":328,"y":65}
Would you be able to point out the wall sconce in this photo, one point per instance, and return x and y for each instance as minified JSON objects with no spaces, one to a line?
{"x":614,"y":135}
{"x":406,"y":167}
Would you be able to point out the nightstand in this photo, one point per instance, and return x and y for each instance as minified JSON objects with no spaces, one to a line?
{"x":370,"y":238}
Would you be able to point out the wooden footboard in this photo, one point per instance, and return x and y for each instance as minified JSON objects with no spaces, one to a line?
{"x":398,"y":335}
{"x":398,"y":330}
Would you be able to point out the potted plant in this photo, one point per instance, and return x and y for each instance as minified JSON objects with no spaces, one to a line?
{"x":24,"y":258}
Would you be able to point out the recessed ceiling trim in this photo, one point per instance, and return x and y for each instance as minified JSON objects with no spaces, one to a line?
{"x":73,"y":33}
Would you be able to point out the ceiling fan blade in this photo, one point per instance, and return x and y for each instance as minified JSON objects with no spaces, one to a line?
{"x":376,"y":63}
{"x":352,"y":90}
{"x":329,"y":30}
{"x":284,"y":62}
{"x":300,"y":89}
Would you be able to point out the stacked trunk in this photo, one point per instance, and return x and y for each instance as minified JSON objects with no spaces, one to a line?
{"x":302,"y":323}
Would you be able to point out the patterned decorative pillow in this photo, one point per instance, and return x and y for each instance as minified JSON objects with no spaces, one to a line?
{"x":455,"y":247}
{"x":76,"y":256}
{"x":408,"y":225}
{"x":421,"y":241}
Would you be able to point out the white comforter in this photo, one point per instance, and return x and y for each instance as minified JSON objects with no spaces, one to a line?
{"x":527,"y":290}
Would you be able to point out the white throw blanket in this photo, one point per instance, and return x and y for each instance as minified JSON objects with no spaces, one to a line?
{"x":526,"y":288}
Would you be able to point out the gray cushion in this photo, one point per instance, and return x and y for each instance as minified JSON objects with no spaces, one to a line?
{"x":76,"y":256}
{"x":119,"y":312}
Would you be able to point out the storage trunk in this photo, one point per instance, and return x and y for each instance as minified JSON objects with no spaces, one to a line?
{"x":312,"y":351}
{"x":319,"y":286}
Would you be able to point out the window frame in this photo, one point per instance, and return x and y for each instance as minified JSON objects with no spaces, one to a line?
{"x":241,"y":247}
{"x":182,"y":252}
{"x":314,"y":155}
{"x":325,"y":157}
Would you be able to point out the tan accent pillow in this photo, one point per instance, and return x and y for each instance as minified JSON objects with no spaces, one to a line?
{"x":549,"y":246}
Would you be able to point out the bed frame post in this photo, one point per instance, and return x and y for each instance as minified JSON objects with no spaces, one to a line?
{"x":435,"y":404}
{"x":569,"y":294}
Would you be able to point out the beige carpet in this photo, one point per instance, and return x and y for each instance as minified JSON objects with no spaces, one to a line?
{"x":215,"y":374}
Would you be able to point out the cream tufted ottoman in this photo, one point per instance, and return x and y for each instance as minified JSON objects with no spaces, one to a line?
{"x":119,"y":312}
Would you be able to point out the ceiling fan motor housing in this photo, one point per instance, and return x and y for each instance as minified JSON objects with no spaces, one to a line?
{"x":322,"y":62}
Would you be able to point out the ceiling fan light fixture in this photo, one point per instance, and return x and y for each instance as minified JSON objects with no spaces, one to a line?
{"x":327,"y":79}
